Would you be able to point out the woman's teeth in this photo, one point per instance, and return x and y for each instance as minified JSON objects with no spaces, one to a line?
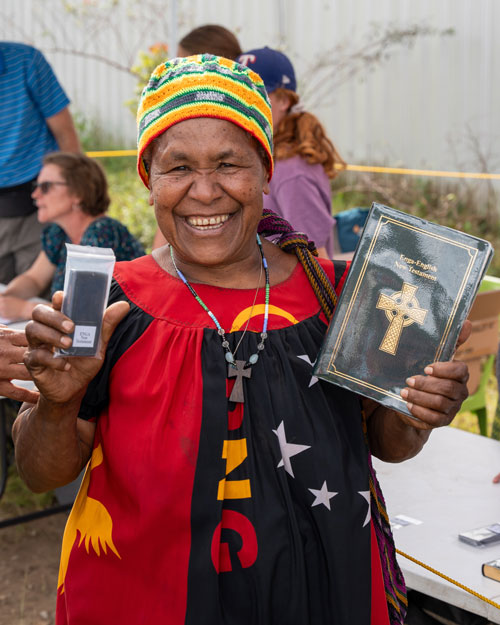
{"x":207,"y":223}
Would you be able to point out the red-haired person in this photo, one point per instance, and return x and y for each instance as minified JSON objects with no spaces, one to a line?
{"x":306,"y":160}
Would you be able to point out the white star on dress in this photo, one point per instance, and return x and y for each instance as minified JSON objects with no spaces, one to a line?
{"x":323,"y":496}
{"x":306,"y":358}
{"x":366,"y":495}
{"x":287,"y":449}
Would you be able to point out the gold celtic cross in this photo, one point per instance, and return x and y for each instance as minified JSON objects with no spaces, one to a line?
{"x":402,"y":309}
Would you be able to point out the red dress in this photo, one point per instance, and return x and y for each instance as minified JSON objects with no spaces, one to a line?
{"x":196,"y":510}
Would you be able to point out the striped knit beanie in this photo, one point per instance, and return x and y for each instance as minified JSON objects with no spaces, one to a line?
{"x":203,"y":86}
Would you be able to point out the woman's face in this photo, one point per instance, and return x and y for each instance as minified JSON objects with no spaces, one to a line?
{"x":57,"y":200}
{"x":206,"y":184}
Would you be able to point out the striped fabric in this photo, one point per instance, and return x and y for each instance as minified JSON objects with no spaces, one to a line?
{"x":29,"y":93}
{"x":203,"y":86}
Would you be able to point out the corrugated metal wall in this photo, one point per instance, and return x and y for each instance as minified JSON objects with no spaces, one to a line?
{"x":419,"y":107}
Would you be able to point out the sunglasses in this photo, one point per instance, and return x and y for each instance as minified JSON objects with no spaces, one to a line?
{"x":47,"y":185}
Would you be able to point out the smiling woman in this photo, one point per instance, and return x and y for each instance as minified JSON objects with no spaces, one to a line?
{"x":206,"y":182}
{"x":225,"y":483}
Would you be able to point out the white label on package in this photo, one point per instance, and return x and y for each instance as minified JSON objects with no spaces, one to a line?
{"x":84,"y":336}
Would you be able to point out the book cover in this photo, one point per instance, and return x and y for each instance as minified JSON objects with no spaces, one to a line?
{"x":409,"y":290}
{"x":492,"y":570}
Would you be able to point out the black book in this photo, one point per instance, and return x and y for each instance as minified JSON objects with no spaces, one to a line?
{"x":83,"y":301}
{"x":409,"y":290}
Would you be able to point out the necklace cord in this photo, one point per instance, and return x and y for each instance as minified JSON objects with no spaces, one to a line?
{"x":251,"y":310}
{"x":229,"y":355}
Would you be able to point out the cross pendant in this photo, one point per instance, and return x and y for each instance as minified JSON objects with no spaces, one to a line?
{"x":239,"y":372}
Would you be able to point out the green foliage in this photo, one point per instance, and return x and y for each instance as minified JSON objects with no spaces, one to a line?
{"x":469,"y":206}
{"x":129,"y":199}
{"x":93,"y":135}
{"x":18,"y":499}
{"x":147,"y":61}
{"x":463,"y":205}
{"x":468,"y":420}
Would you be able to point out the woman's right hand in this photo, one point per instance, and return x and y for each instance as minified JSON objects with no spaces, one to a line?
{"x":61,"y":380}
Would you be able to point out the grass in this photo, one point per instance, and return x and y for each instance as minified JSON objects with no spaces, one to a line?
{"x":129,"y":197}
{"x":468,"y":420}
{"x":18,"y":499}
{"x":129,"y":201}
{"x":468,"y":206}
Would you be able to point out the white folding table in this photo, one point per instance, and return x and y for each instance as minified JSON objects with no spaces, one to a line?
{"x":448,"y":487}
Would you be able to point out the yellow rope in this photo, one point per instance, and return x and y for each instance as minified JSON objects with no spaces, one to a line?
{"x":449,"y":579}
{"x":104,"y":153}
{"x":419,"y":172}
{"x":364,"y":168}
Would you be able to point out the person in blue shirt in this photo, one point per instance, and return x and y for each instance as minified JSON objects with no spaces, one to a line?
{"x":34,"y":120}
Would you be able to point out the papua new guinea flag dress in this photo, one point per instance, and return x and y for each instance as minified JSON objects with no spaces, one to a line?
{"x":195,"y":510}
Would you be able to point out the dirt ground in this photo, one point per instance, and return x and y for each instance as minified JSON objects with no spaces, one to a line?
{"x":29,"y":552}
{"x":29,"y":563}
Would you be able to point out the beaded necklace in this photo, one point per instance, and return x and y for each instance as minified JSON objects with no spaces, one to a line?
{"x":236,"y":368}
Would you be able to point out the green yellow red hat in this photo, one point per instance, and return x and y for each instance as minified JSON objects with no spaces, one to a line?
{"x":203,"y":86}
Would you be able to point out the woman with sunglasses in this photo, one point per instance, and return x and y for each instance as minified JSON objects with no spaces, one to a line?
{"x":71,"y":194}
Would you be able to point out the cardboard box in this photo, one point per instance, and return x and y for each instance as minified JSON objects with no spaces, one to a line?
{"x":484,"y":338}
{"x":475,"y":369}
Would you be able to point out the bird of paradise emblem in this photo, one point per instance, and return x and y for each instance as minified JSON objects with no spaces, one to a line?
{"x":90,"y":518}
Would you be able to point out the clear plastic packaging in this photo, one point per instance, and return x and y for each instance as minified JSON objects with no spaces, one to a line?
{"x":86,"y":289}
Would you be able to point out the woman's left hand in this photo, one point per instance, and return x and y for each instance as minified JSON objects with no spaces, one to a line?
{"x":435,"y":398}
